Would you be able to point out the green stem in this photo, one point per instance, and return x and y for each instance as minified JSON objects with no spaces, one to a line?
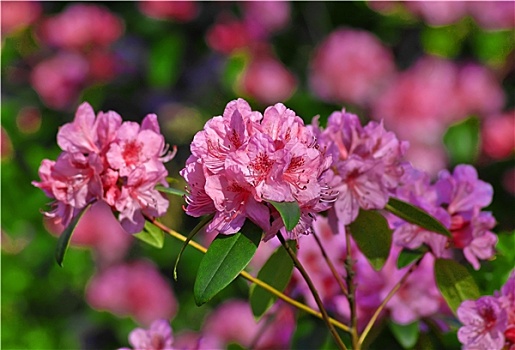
{"x":252,"y":279}
{"x":380,"y":308}
{"x":331,"y":266}
{"x":313,"y":290}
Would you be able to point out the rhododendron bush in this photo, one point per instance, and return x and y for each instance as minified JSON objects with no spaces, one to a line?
{"x":258,"y":175}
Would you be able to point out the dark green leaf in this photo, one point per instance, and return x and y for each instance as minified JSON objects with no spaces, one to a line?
{"x":290,"y":213}
{"x":455,"y":282}
{"x":407,"y":256}
{"x":406,"y":335}
{"x":373,"y":236}
{"x":64,"y":239}
{"x":171,"y":190}
{"x":276,"y":272}
{"x":192,"y":234}
{"x":462,"y":141}
{"x":226,"y":257}
{"x":152,"y":235}
{"x":417,"y":216}
{"x":234,"y":67}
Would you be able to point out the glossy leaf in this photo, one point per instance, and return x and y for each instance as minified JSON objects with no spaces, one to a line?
{"x":407,"y":256}
{"x":290,"y":213}
{"x":407,"y":335}
{"x":64,"y":239}
{"x":455,"y":282}
{"x":373,"y":236}
{"x":226,"y":257}
{"x":415,"y":215}
{"x":171,"y":190}
{"x":192,"y":234}
{"x":152,"y":235}
{"x":277,"y":273}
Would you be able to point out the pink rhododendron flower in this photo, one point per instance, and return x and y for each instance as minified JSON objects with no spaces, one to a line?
{"x":105,"y":159}
{"x":367,"y":164}
{"x":494,"y":15}
{"x":80,"y":26}
{"x":157,"y":337}
{"x":438,"y":13}
{"x":227,"y":35}
{"x":243,"y":160}
{"x":350,"y":66}
{"x":134,"y":289}
{"x":484,"y":321}
{"x":265,"y":17}
{"x":181,"y":11}
{"x":18,"y":14}
{"x":59,"y":80}
{"x":497,"y":138}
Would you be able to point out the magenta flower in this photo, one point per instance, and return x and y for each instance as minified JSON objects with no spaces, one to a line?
{"x":243,"y":160}
{"x":157,"y":337}
{"x":484,"y":322}
{"x":105,"y":159}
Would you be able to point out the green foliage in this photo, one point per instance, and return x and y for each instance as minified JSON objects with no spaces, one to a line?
{"x":455,"y":283}
{"x":171,"y":190}
{"x":64,"y":239}
{"x":407,"y":335}
{"x":373,"y":236}
{"x":165,"y":59}
{"x":276,"y":272}
{"x":152,"y":235}
{"x":290,"y":213}
{"x":415,"y":215}
{"x":462,"y":141}
{"x":226,"y":257}
{"x":407,"y":256}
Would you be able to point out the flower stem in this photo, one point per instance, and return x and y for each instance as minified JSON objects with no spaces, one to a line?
{"x":252,"y":279}
{"x":313,"y":290}
{"x":331,"y":265}
{"x":351,"y":295}
{"x":380,"y":308}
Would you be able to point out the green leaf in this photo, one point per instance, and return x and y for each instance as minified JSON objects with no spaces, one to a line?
{"x":290,"y":213}
{"x":276,"y":272}
{"x":407,"y":256}
{"x":373,"y":236}
{"x":417,"y":216}
{"x":462,"y":141}
{"x":226,"y":257}
{"x":441,"y":41}
{"x":455,"y":282}
{"x":192,"y":234}
{"x":152,"y":235}
{"x":406,"y":335}
{"x":165,"y":58}
{"x":64,"y":239}
{"x":233,"y":69}
{"x":171,"y":190}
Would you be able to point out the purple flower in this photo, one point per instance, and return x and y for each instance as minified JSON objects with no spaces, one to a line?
{"x":484,"y":321}
{"x":157,"y":337}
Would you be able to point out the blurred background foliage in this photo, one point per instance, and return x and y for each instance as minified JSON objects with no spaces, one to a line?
{"x":185,"y":66}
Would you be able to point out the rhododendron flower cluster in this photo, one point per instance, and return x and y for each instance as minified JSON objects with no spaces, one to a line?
{"x":457,"y":201}
{"x":244,"y":160}
{"x":104,"y":159}
{"x":159,"y":336}
{"x":367,"y":164}
{"x":489,"y":322}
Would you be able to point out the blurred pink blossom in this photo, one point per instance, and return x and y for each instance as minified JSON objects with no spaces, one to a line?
{"x":263,"y":18}
{"x":493,"y":15}
{"x":59,"y":80}
{"x":267,"y":80}
{"x":18,"y":14}
{"x":6,"y":150}
{"x":157,"y":337}
{"x":99,"y":230}
{"x":273,"y":333}
{"x":181,"y":11}
{"x":350,"y":66}
{"x":227,"y":35}
{"x":82,"y":26}
{"x":438,"y":13}
{"x":498,"y":135}
{"x":134,"y":289}
{"x":28,"y":120}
